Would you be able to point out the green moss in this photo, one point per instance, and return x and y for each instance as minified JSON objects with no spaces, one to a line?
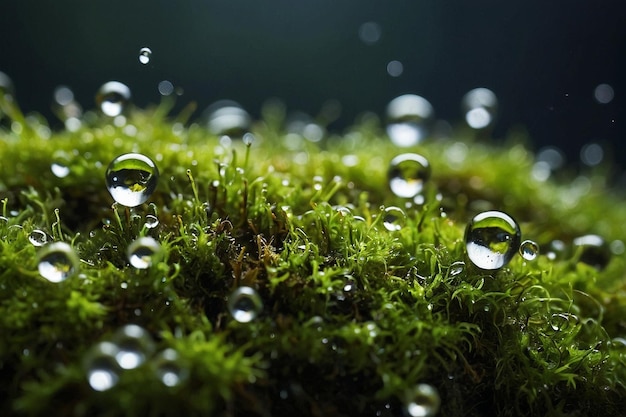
{"x":355,"y":316}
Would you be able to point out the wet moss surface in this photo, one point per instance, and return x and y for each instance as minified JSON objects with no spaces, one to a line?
{"x":356,"y":313}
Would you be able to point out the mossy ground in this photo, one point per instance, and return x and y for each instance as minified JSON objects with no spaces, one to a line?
{"x":298,"y":221}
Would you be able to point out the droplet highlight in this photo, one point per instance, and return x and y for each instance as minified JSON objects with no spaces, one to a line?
{"x":101,"y":368}
{"x":169,"y":368}
{"x":480,"y":107}
{"x":134,"y":345}
{"x":131,"y":179}
{"x":592,"y":250}
{"x":423,"y":401}
{"x":112,"y":98}
{"x":394,"y":219}
{"x":38,"y":238}
{"x":408,"y":173}
{"x":144,"y":55}
{"x":529,"y":250}
{"x":57,"y":262}
{"x":245,"y":304}
{"x":143,"y":252}
{"x":492,"y":238}
{"x":409,"y":119}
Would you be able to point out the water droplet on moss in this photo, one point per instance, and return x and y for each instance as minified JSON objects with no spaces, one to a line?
{"x":408,"y":174}
{"x":227,"y":117}
{"x":112,"y":97}
{"x":101,"y":367}
{"x":134,"y":346}
{"x":168,"y":368}
{"x":143,"y":252}
{"x":57,"y":262}
{"x":456,"y":268}
{"x":529,"y":250}
{"x":394,"y":219}
{"x":244,"y":304}
{"x":144,"y":55}
{"x":423,"y":401}
{"x":409,"y":118}
{"x":59,"y":170}
{"x":592,"y":250}
{"x":131,"y":179}
{"x":492,"y":238}
{"x":151,"y":221}
{"x":38,"y":237}
{"x":563,"y":321}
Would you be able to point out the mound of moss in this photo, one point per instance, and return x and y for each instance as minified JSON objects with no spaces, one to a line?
{"x":362,"y":314}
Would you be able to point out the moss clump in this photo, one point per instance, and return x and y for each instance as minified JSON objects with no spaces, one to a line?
{"x":355,"y":316}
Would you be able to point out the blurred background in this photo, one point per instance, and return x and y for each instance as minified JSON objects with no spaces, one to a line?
{"x":558,"y":68}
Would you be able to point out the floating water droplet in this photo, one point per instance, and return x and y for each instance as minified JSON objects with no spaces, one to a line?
{"x":131,"y":179}
{"x":57,"y":262}
{"x":409,"y":119}
{"x":408,"y":174}
{"x":59,"y":170}
{"x":152,"y":221}
{"x":592,"y":250}
{"x":592,"y":154}
{"x":492,"y":238}
{"x":166,"y":88}
{"x":101,"y":367}
{"x":169,"y":369}
{"x":423,"y":401}
{"x":456,"y":268}
{"x":395,"y":68}
{"x":143,"y":252}
{"x":38,"y":237}
{"x":394,"y":218}
{"x":63,"y":96}
{"x":603,"y":93}
{"x":112,"y":97}
{"x":144,"y":55}
{"x":480,"y":106}
{"x":227,"y":117}
{"x":529,"y":250}
{"x":134,"y":346}
{"x":369,"y":33}
{"x":244,"y":304}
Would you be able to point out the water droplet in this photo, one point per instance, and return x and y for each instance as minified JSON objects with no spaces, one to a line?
{"x":244,"y":304}
{"x":168,"y":368}
{"x":134,"y":346}
{"x":395,"y":68}
{"x":112,"y":97}
{"x":248,"y":139}
{"x":592,"y":250}
{"x":131,"y":179}
{"x":603,"y":93}
{"x":492,"y":238}
{"x":423,"y":401}
{"x":409,"y":119}
{"x":101,"y":367}
{"x":394,"y":219}
{"x":59,"y":170}
{"x":152,"y":221}
{"x":408,"y":174}
{"x":57,"y":262}
{"x":480,"y":106}
{"x":563,"y":321}
{"x":6,"y":85}
{"x":38,"y":237}
{"x":592,"y":154}
{"x":456,"y":268}
{"x":226,"y":117}
{"x":63,"y":96}
{"x":369,"y":33}
{"x":144,"y":55}
{"x":166,"y":88}
{"x":143,"y":252}
{"x":529,"y":250}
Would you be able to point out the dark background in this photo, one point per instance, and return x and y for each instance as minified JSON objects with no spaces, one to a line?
{"x":542,"y":58}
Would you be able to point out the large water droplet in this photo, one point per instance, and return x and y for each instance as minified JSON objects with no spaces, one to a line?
{"x":592,"y":250}
{"x":112,"y":97}
{"x":144,"y":55}
{"x":227,"y":117}
{"x":394,"y":218}
{"x":131,"y":179}
{"x":244,"y":304}
{"x":408,"y":174}
{"x":423,"y":401}
{"x":492,"y":238}
{"x":101,"y":367}
{"x":143,"y":252}
{"x":134,"y":346}
{"x":409,"y":119}
{"x":169,"y":369}
{"x":38,"y":237}
{"x":480,"y":106}
{"x":529,"y":250}
{"x":57,"y":262}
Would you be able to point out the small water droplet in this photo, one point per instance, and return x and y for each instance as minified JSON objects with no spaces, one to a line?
{"x":142,"y":252}
{"x":101,"y":367}
{"x":423,"y":401}
{"x":131,"y":179}
{"x":408,"y":174}
{"x":394,"y":218}
{"x":563,"y":321}
{"x":592,"y":250}
{"x":169,"y":369}
{"x":112,"y":97}
{"x":369,"y":33}
{"x":456,"y":268}
{"x":492,"y":238}
{"x":409,"y":119}
{"x":38,"y":237}
{"x":57,"y":262}
{"x":165,"y":87}
{"x":529,"y":250}
{"x":144,"y":55}
{"x":59,"y":170}
{"x":480,"y":106}
{"x":152,"y":221}
{"x":227,"y":117}
{"x":395,"y":68}
{"x":244,"y":304}
{"x":134,"y":346}
{"x":248,"y":139}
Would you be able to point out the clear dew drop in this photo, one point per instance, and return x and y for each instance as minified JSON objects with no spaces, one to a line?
{"x":100,"y":366}
{"x":480,"y":107}
{"x":456,"y":268}
{"x":144,"y":55}
{"x":423,"y":401}
{"x":131,"y":179}
{"x":394,"y":219}
{"x":57,"y":262}
{"x":59,"y":170}
{"x":409,"y":119}
{"x":169,"y":369}
{"x":592,"y":250}
{"x":143,"y":252}
{"x":38,"y":238}
{"x":134,"y":346}
{"x":245,"y":304}
{"x":408,"y":173}
{"x":529,"y":250}
{"x":112,"y":98}
{"x":492,"y":238}
{"x":151,"y":222}
{"x":227,"y":117}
